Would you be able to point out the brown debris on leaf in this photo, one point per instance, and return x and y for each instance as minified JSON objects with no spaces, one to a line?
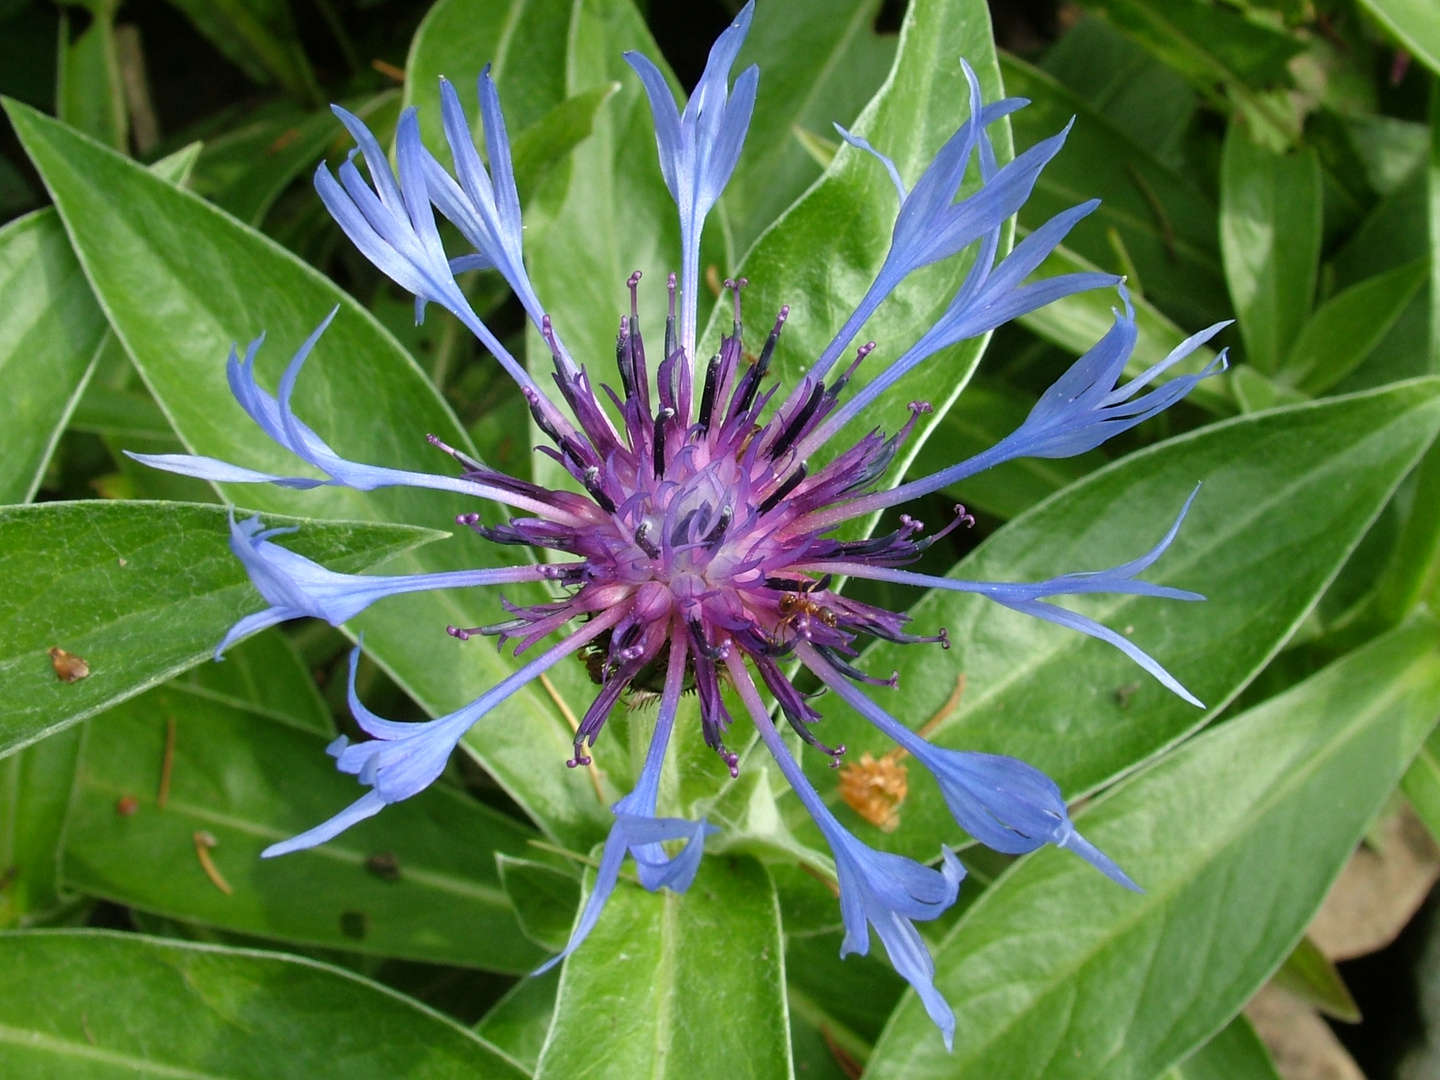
{"x":68,"y":667}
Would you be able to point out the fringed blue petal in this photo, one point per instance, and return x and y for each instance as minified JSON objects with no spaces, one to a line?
{"x":1001,"y":801}
{"x":887,"y":891}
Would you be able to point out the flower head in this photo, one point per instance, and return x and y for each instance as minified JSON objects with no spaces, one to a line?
{"x":702,"y":550}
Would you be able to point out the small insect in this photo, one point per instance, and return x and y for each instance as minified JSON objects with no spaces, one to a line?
{"x":68,"y":667}
{"x":797,"y":607}
{"x":384,"y":865}
{"x":648,"y":684}
{"x":127,"y":805}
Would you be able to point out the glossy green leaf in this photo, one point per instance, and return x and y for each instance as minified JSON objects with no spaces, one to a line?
{"x":1421,"y":784}
{"x":1056,"y":972}
{"x":1168,"y":226}
{"x":1414,"y":23}
{"x":823,"y":253}
{"x":49,"y":331}
{"x":180,"y":282}
{"x":1270,"y":217}
{"x":521,"y":1019}
{"x":1236,"y":1053}
{"x":89,"y":95}
{"x":1310,"y":975}
{"x":141,"y":591}
{"x":259,"y":36}
{"x":681,"y":986}
{"x":1345,"y":330}
{"x":417,"y":881}
{"x":95,"y":1005}
{"x":1285,"y":497}
{"x":1135,"y":92}
{"x":1224,"y":55}
{"x":544,"y":899}
{"x":541,"y":146}
{"x":34,"y":793}
{"x":523,"y":41}
{"x":802,"y":91}
{"x":837,"y":1007}
{"x":50,"y":334}
{"x":247,"y":168}
{"x":265,"y":675}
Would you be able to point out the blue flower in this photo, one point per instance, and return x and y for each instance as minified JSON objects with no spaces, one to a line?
{"x":698,"y":541}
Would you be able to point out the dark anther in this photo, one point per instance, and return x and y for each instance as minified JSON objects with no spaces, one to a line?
{"x":703,"y":647}
{"x":591,"y":479}
{"x":642,"y":537}
{"x":540,"y":421}
{"x":458,"y":633}
{"x":707,"y":397}
{"x":670,"y":338}
{"x":467,"y":519}
{"x":844,"y":380}
{"x":622,"y":357}
{"x":659,"y":449}
{"x":797,"y":423}
{"x":769,"y":350}
{"x":791,"y":483}
{"x":944,"y":635}
{"x":715,"y":535}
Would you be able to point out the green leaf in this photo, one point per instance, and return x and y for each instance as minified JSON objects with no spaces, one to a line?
{"x":89,"y":95}
{"x":1168,"y":227}
{"x":140,"y":591}
{"x":34,"y":792}
{"x":1224,"y":55}
{"x":264,"y":674}
{"x":823,"y":253}
{"x":523,"y":41}
{"x":180,"y":282}
{"x":50,"y":329}
{"x":1345,"y":330}
{"x":1286,"y":496}
{"x":51,"y":333}
{"x":92,"y":1004}
{"x":521,"y":1019}
{"x":259,"y":36}
{"x":1310,"y":975}
{"x":541,"y":146}
{"x":246,"y":168}
{"x":1270,"y":235}
{"x":417,"y":881}
{"x":1141,"y":96}
{"x":544,"y":899}
{"x":837,"y":1007}
{"x":681,"y":986}
{"x":1414,"y":23}
{"x":1421,"y":784}
{"x":1236,"y":1053}
{"x":803,"y":91}
{"x":1236,"y":837}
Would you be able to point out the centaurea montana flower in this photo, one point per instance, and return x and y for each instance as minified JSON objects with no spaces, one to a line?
{"x":701,"y":552}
